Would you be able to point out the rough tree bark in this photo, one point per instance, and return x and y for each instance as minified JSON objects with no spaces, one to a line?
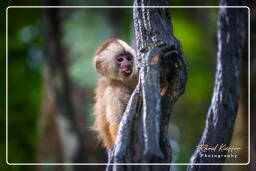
{"x":222,"y":113}
{"x":142,"y":136}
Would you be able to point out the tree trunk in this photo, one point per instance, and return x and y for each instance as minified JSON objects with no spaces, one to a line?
{"x":70,"y":137}
{"x":142,"y":136}
{"x":222,"y":113}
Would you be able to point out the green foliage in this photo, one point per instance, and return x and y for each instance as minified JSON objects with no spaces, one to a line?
{"x":199,"y":48}
{"x":82,"y":40}
{"x":24,"y":86}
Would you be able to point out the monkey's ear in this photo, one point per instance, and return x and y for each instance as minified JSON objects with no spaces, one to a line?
{"x":99,"y":67}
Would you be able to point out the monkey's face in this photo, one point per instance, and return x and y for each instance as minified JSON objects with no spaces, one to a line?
{"x":124,"y":63}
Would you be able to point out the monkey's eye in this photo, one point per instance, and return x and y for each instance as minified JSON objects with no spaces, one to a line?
{"x":129,"y":58}
{"x":119,"y":59}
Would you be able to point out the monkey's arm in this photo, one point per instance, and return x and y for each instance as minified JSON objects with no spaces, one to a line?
{"x":116,"y":102}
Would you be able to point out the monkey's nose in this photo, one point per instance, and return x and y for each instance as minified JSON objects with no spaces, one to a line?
{"x":125,"y":63}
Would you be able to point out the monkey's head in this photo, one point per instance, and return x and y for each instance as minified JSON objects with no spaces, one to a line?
{"x":115,"y":60}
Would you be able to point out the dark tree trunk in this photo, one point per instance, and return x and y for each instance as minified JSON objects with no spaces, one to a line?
{"x":57,"y":72}
{"x":222,"y":113}
{"x":58,"y":91}
{"x":142,"y":136}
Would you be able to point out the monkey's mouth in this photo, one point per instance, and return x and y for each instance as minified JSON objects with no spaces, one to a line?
{"x":126,"y":71}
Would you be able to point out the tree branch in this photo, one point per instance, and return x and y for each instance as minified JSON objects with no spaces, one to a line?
{"x":223,"y":110}
{"x":143,"y":130}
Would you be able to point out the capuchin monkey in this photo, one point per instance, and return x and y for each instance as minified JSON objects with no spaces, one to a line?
{"x":115,"y":61}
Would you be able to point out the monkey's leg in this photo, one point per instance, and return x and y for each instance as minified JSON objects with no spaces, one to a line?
{"x":113,"y":129}
{"x":106,"y":136}
{"x":101,"y":126}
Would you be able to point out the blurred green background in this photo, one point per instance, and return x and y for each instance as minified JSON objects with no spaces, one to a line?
{"x":82,"y":30}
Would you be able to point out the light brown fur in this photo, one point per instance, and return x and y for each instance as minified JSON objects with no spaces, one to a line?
{"x":113,"y":90}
